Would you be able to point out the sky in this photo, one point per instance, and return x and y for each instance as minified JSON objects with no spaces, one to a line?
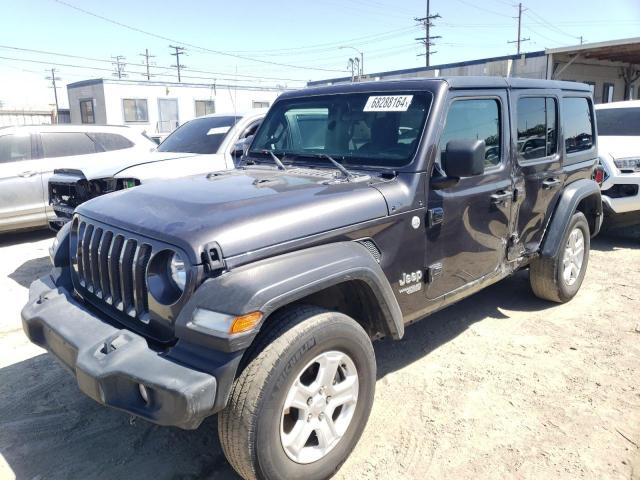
{"x":274,"y":43}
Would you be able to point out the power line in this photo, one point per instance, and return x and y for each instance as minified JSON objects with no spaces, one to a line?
{"x":172,"y":40}
{"x":426,"y":22}
{"x":178,"y":51}
{"x":519,"y":39}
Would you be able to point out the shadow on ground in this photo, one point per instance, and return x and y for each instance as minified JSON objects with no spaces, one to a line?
{"x":7,"y":239}
{"x":30,"y":271}
{"x":48,"y":429}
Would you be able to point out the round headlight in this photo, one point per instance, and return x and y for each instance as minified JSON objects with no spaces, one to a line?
{"x":178,"y":271}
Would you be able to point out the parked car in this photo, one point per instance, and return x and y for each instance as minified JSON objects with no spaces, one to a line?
{"x":619,"y":154}
{"x":359,"y":209}
{"x":202,"y":145}
{"x":29,"y":154}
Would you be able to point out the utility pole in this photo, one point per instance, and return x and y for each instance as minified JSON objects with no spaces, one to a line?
{"x":426,"y":22}
{"x":520,"y":39}
{"x":178,"y":51}
{"x":146,"y":61}
{"x":119,"y":66}
{"x":581,"y":40}
{"x":53,"y":79}
{"x":352,"y":65}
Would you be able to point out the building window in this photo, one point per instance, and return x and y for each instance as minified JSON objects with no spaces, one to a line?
{"x":259,"y":104}
{"x":205,"y":107}
{"x":135,"y":110}
{"x":607,"y":93}
{"x":577,"y":123}
{"x":86,"y":111}
{"x":536,"y":127}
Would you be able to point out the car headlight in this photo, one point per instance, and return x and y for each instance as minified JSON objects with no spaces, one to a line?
{"x":627,"y":163}
{"x":178,"y":271}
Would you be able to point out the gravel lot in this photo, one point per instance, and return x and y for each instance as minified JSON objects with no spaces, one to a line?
{"x":501,"y":385}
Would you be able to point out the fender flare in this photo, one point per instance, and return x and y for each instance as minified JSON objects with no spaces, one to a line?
{"x":272,"y":283}
{"x":571,"y":197}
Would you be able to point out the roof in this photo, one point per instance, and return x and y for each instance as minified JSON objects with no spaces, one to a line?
{"x":625,"y":50}
{"x":624,"y":104}
{"x":66,"y":127}
{"x":442,"y":66}
{"x":431,"y":84}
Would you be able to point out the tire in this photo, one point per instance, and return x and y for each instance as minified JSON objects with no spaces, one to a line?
{"x":252,"y":426}
{"x":547,"y":275}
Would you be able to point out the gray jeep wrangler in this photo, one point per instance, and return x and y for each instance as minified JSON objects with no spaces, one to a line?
{"x":256,"y":293}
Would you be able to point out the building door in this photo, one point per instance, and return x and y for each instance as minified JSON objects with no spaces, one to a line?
{"x":167,"y":115}
{"x":469,"y":240}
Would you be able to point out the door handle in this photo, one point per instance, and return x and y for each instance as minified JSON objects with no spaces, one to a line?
{"x":501,"y":197}
{"x":550,"y":183}
{"x":28,"y":173}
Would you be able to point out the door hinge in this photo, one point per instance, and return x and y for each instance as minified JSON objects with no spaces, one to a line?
{"x":433,"y":271}
{"x":435,"y":216}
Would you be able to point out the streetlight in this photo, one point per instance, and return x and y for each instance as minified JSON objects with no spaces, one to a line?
{"x":361,"y":73}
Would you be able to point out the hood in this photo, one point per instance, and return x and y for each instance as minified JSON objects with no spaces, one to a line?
{"x":108,"y":164}
{"x":241,"y":210}
{"x":619,"y":146}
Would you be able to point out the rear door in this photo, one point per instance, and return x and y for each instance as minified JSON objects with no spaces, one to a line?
{"x":469,"y":222}
{"x":21,"y":190}
{"x":538,"y":175}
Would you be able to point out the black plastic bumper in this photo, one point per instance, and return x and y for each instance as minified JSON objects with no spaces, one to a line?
{"x":110,"y":364}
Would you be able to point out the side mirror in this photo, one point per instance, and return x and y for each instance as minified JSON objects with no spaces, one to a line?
{"x":464,"y":158}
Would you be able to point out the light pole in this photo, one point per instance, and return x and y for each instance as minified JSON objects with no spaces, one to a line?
{"x":361,"y":72}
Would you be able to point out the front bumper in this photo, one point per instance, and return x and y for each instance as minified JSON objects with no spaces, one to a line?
{"x":110,"y":363}
{"x":621,"y":204}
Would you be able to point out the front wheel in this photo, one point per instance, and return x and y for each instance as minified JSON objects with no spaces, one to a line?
{"x":558,"y":279}
{"x":299,"y":406}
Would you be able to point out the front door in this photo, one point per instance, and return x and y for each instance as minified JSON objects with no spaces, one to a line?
{"x":167,"y":115}
{"x":469,"y":221}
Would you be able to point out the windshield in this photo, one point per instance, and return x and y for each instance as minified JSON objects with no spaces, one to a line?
{"x":618,"y":121}
{"x":202,"y":135}
{"x":361,"y":128}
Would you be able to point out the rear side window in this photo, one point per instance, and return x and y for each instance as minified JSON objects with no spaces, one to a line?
{"x":111,"y":141}
{"x":618,"y":121}
{"x":14,"y":148}
{"x":66,"y":144}
{"x":475,"y":119}
{"x":537,"y":132}
{"x":578,"y":124}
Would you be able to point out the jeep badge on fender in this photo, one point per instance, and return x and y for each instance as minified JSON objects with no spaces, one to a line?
{"x":358,"y":208}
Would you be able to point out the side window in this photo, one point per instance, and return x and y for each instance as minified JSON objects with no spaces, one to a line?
{"x":14,"y":148}
{"x":205,"y":107}
{"x":251,"y":129}
{"x":577,"y":123}
{"x":135,"y":110}
{"x":86,"y":111}
{"x":111,"y":141}
{"x":66,"y":144}
{"x":474,"y":119}
{"x":537,"y":131}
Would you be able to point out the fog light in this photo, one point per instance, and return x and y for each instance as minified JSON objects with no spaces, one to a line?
{"x":144,"y":393}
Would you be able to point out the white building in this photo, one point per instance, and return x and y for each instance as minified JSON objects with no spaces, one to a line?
{"x":612,"y":68}
{"x":157,"y":108}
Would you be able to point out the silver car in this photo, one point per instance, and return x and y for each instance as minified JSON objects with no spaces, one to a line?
{"x":29,"y":154}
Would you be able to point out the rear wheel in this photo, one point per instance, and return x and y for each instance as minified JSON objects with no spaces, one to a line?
{"x":301,"y":403}
{"x":558,"y":279}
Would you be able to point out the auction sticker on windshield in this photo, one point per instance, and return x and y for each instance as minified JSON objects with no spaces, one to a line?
{"x":388,"y":103}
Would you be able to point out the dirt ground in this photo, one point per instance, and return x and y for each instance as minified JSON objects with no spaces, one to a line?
{"x":501,"y":385}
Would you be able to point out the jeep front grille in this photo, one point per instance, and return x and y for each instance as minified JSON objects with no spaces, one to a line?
{"x":111,"y":267}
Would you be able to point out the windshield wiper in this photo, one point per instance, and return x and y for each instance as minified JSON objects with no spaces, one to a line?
{"x":275,"y":159}
{"x":347,"y":174}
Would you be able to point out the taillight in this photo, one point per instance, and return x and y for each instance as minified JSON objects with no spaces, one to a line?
{"x":598,"y":175}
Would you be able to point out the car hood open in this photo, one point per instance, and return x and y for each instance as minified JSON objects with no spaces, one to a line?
{"x":241,"y":210}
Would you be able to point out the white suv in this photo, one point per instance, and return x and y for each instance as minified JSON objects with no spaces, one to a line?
{"x":202,"y":145}
{"x":29,"y":155}
{"x":619,"y":152}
